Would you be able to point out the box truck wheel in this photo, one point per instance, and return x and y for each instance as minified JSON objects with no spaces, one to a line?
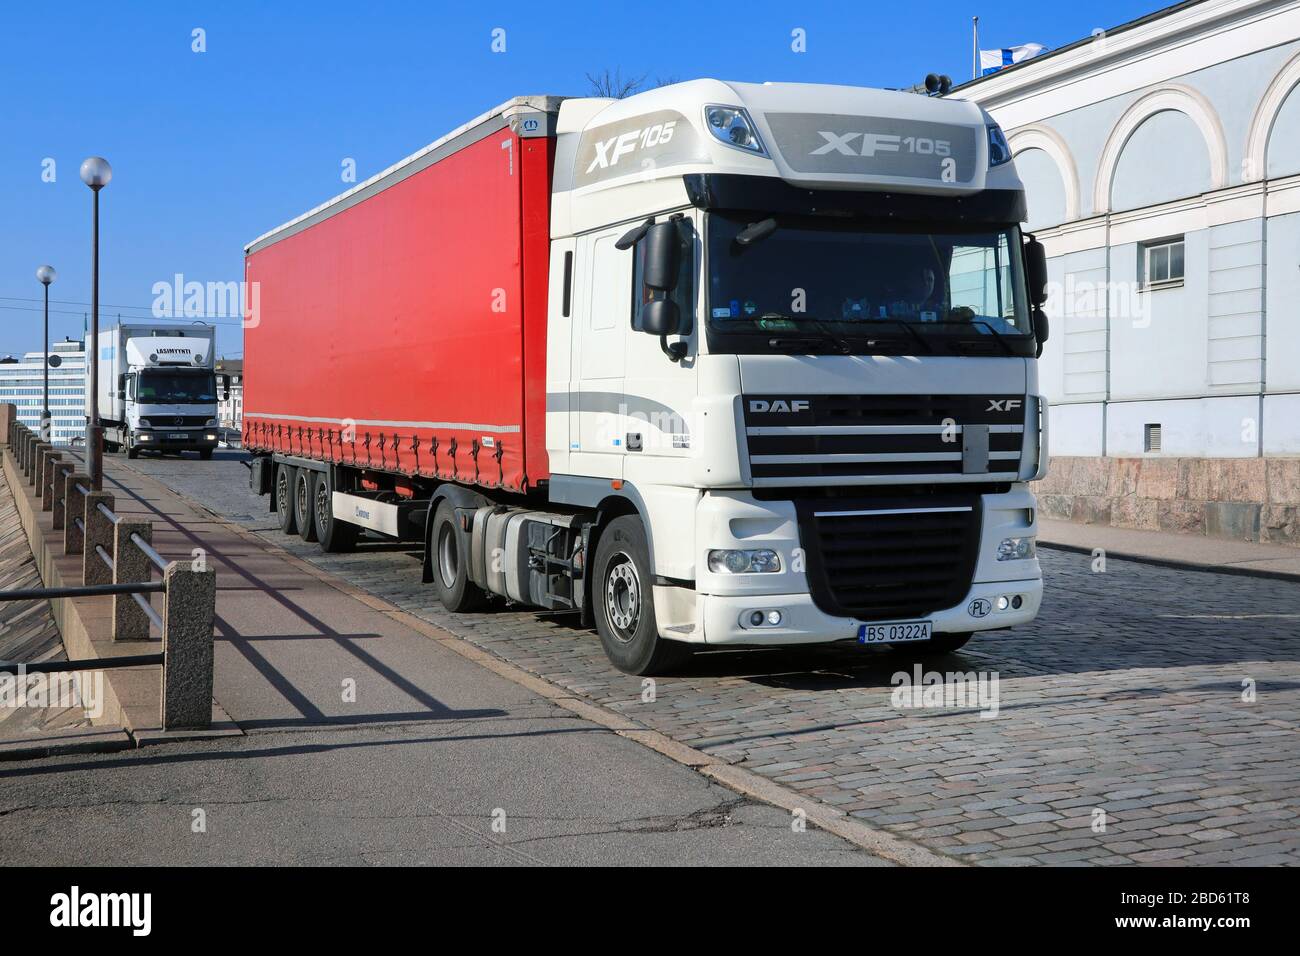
{"x":303,"y":504}
{"x":624,"y":602}
{"x":284,"y":476}
{"x":335,"y":536}
{"x":450,"y":559}
{"x":131,"y":450}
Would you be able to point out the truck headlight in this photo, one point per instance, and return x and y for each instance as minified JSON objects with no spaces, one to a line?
{"x":999,"y":148}
{"x":1016,"y":549}
{"x":732,"y":125}
{"x":144,"y":438}
{"x":144,"y":423}
{"x":729,"y":561}
{"x":211,"y":423}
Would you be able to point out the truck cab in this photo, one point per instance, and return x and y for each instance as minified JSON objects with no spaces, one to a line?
{"x":793,"y":330}
{"x":158,"y":390}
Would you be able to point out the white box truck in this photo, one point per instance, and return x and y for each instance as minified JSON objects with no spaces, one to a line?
{"x":157,"y":388}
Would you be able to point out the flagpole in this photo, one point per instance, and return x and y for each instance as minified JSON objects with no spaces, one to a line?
{"x":975,"y":48}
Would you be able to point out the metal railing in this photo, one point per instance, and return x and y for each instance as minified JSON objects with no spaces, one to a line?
{"x":119,"y":562}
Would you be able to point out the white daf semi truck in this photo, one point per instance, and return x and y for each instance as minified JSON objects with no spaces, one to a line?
{"x":719,"y":364}
{"x":157,"y":388}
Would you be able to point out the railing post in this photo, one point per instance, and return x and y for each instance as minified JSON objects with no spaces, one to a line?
{"x":74,"y":507}
{"x":42,"y":452}
{"x":189,"y":604}
{"x":25,"y":458}
{"x":8,"y":421}
{"x":99,"y":531}
{"x":130,"y":566}
{"x":59,"y":509}
{"x":33,"y":473}
{"x":52,"y":461}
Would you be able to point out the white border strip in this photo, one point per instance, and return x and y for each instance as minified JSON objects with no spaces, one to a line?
{"x":385,"y":423}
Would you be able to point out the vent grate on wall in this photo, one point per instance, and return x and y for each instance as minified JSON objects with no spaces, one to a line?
{"x":1151,"y":438}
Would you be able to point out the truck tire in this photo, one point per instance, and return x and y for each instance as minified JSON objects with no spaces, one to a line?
{"x":303,"y":504}
{"x":449,"y":555}
{"x":205,"y":454}
{"x":131,"y":450}
{"x":335,"y":536}
{"x":284,"y":482}
{"x":945,"y":643}
{"x":624,"y":602}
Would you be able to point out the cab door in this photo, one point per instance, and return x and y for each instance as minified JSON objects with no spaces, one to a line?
{"x":600,"y":340}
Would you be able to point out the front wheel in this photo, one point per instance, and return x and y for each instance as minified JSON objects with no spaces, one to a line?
{"x":624,"y":602}
{"x":205,"y":454}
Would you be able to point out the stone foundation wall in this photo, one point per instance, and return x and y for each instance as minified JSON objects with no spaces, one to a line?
{"x":1245,"y":499}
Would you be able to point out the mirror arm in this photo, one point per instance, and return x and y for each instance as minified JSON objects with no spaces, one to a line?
{"x":675,"y":351}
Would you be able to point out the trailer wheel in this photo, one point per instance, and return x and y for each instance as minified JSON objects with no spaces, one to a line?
{"x":624,"y":602}
{"x":449,"y":555}
{"x":335,"y":536}
{"x":302,"y":504}
{"x":284,"y":482}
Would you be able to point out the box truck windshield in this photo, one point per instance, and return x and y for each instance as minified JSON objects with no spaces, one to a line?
{"x":856,"y":286}
{"x":175,"y":387}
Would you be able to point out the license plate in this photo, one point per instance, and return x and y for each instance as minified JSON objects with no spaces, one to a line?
{"x":178,"y":436}
{"x":894,"y":632}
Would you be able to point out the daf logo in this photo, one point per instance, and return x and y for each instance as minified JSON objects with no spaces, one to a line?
{"x":1003,"y":404}
{"x":779,"y":405}
{"x":979,"y":607}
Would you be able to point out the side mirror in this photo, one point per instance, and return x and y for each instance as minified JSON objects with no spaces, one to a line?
{"x":662,"y":256}
{"x":1042,"y":328}
{"x":661,"y":317}
{"x":1036,"y":271}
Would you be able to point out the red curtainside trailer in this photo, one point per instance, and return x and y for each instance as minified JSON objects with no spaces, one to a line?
{"x":400,"y":329}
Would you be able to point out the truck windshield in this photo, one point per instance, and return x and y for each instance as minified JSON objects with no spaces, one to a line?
{"x":813,"y":285}
{"x":176,"y":387}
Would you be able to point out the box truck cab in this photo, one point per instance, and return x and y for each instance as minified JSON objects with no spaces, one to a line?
{"x":786,"y":362}
{"x":157,"y":388}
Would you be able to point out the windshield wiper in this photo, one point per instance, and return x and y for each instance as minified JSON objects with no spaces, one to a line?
{"x":906,"y":327}
{"x":827,"y":336}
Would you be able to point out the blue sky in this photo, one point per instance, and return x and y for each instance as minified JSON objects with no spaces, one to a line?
{"x":211,"y":149}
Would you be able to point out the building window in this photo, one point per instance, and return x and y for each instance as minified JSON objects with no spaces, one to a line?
{"x":1151,"y":438}
{"x":1162,"y":263}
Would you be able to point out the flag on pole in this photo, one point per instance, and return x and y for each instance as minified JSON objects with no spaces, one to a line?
{"x":993,"y":60}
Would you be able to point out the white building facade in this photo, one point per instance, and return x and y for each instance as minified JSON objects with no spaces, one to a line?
{"x":22,"y":384}
{"x":1162,"y":167}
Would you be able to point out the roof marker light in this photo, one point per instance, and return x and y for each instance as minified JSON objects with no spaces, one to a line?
{"x":732,"y":125}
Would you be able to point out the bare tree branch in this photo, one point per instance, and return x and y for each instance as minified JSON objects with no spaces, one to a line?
{"x":613,"y":84}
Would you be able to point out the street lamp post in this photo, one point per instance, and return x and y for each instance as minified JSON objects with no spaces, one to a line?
{"x":95,"y":173}
{"x":46,"y":275}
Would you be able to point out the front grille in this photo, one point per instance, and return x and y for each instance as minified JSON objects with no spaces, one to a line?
{"x":178,"y":421}
{"x":879,"y":439}
{"x":889,"y":559}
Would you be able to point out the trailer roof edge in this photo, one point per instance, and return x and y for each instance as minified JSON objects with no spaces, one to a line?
{"x":541,"y":103}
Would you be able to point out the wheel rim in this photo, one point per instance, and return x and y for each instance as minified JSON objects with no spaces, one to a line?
{"x":303,"y":497}
{"x":282,"y":492}
{"x":324,"y":514}
{"x":448,"y":555}
{"x":622,"y":597}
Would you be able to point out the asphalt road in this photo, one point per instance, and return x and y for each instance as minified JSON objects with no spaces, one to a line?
{"x":1148,"y":715}
{"x":433,"y":760}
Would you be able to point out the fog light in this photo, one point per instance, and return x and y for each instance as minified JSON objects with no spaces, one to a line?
{"x":756,"y":618}
{"x":1017,"y":601}
{"x":1016,"y":549}
{"x":1003,"y":603}
{"x":210,"y":437}
{"x":144,"y":437}
{"x":761,"y":618}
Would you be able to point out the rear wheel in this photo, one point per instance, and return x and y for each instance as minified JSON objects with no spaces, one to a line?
{"x":284,"y":481}
{"x":624,"y":602}
{"x":449,"y":555}
{"x":334,"y":535}
{"x":302,"y":505}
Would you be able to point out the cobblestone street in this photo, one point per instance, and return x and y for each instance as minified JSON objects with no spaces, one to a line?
{"x":1149,"y":715}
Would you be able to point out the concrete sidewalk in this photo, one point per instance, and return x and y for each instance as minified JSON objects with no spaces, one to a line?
{"x":1173,"y":550}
